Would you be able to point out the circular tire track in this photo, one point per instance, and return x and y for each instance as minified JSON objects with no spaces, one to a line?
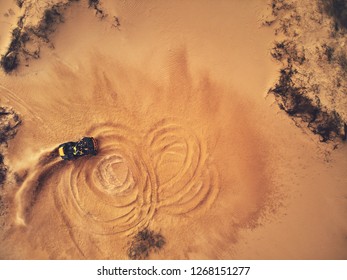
{"x":186,"y":179}
{"x":113,"y":192}
{"x":133,"y":175}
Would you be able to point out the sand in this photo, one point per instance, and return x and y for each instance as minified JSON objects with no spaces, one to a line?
{"x":191,"y":146}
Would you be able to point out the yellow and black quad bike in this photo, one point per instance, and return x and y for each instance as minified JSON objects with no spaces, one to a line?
{"x":74,"y":150}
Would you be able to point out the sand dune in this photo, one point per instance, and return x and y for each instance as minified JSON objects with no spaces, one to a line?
{"x":190,"y":144}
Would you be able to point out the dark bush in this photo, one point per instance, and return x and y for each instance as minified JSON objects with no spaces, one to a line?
{"x":288,"y":50}
{"x":51,"y":16}
{"x":337,"y":9}
{"x":9,"y":62}
{"x":9,"y":122}
{"x":328,"y":126}
{"x":93,"y":3}
{"x":293,"y":100}
{"x":143,"y":243}
{"x":279,"y":5}
{"x":328,"y":52}
{"x":3,"y":171}
{"x":20,"y":3}
{"x":22,"y":34}
{"x":342,"y":61}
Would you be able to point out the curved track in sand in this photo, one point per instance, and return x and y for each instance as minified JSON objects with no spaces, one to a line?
{"x":111,"y":193}
{"x":118,"y":191}
{"x":186,"y":181}
{"x":24,"y":108}
{"x":34,"y":179}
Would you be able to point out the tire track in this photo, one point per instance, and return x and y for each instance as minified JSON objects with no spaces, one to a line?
{"x":23,"y":107}
{"x":118,"y":191}
{"x":114,"y":192}
{"x":186,"y":180}
{"x":26,"y":196}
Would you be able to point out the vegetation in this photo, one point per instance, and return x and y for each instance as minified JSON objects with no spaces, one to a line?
{"x":3,"y":170}
{"x":342,"y":61}
{"x":3,"y":209}
{"x":20,"y":3}
{"x":95,"y":5}
{"x":337,"y":9}
{"x":294,"y":101}
{"x":279,"y":5}
{"x":47,"y":24}
{"x":52,"y":16}
{"x":288,"y":50}
{"x":295,"y":91}
{"x":9,"y":122}
{"x":143,"y":243}
{"x":10,"y":60}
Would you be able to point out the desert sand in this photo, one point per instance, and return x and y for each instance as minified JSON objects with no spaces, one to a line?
{"x":190,"y":144}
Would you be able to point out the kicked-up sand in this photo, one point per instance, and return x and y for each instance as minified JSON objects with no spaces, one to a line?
{"x":190,"y":144}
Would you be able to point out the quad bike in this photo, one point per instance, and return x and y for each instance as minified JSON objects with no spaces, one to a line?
{"x":74,"y":150}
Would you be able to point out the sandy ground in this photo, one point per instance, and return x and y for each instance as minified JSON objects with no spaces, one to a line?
{"x":190,"y":144}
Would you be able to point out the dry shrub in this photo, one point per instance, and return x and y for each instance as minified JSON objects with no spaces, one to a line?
{"x":9,"y":122}
{"x":143,"y":243}
{"x":293,"y":100}
{"x":51,"y":17}
{"x":288,"y":50}
{"x":20,"y":3}
{"x":10,"y":60}
{"x":337,"y":9}
{"x":3,"y":170}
